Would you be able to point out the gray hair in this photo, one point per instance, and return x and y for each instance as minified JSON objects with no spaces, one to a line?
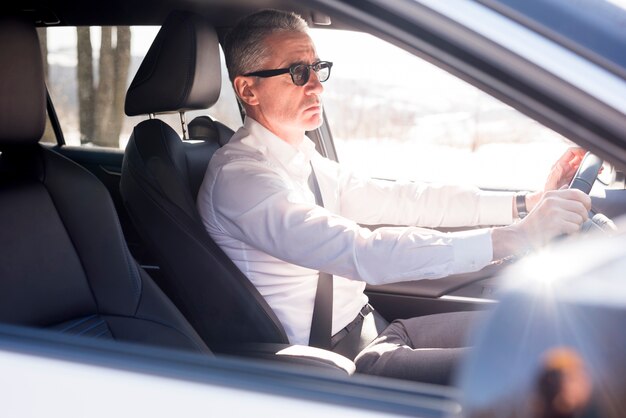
{"x":244,"y":48}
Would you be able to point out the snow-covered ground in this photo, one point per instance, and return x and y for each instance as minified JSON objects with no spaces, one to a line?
{"x":493,"y":166}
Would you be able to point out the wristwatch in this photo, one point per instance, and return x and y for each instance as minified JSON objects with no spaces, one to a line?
{"x":520,"y":204}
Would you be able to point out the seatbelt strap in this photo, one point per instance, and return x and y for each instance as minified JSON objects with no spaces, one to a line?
{"x":322,"y":321}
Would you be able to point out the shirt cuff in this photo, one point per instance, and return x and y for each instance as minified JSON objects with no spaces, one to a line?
{"x":473,"y":250}
{"x":496,"y":208}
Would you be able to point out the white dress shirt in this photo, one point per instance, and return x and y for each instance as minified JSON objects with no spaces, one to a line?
{"x":256,"y":204}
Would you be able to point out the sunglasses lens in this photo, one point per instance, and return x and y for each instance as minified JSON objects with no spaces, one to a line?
{"x":323,"y":71}
{"x":300,"y":75}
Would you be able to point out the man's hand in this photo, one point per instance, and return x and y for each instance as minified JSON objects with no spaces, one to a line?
{"x":558,"y":212}
{"x":564,"y":169}
{"x":560,"y":175}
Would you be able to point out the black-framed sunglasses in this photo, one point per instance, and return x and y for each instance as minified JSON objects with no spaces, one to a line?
{"x":300,"y":73}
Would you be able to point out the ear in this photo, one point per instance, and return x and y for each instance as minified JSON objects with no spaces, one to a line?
{"x":245,"y":90}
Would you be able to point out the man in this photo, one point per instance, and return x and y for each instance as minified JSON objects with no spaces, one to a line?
{"x":258,"y":204}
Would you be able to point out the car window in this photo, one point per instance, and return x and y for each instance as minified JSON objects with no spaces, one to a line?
{"x":89,"y":98}
{"x":395,"y":116}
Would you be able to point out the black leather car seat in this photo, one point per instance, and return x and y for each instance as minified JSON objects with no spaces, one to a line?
{"x":64,"y":263}
{"x":161,"y":175}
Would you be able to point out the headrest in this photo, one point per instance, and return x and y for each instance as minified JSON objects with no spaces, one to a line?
{"x":204,"y":128}
{"x":181,"y":70}
{"x":22,"y":86}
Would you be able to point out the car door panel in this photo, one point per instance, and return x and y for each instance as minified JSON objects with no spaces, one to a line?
{"x":459,"y":292}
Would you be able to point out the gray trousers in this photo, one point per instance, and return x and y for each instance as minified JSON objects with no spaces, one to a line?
{"x":424,"y":349}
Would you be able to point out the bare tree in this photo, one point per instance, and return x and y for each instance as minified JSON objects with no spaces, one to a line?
{"x":476,"y":138}
{"x":104,"y":91}
{"x":122,"y":64}
{"x":48,"y":134}
{"x":43,"y":44}
{"x":84,"y":75}
{"x":102,"y":106}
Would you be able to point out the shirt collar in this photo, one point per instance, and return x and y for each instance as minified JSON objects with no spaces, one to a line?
{"x":295,"y":159}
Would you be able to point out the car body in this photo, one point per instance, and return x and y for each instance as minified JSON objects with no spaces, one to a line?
{"x":571,"y":81}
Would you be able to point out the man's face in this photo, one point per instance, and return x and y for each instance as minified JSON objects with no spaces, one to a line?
{"x":277,"y":103}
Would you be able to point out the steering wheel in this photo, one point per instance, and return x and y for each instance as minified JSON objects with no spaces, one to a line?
{"x":583,"y":180}
{"x":587,"y":173}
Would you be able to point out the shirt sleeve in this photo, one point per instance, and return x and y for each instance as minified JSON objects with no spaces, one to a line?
{"x":262,"y":212}
{"x":372,"y":202}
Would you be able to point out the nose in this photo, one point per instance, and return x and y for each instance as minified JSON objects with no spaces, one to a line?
{"x":313,"y":85}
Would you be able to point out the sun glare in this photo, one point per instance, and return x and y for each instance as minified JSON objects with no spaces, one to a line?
{"x":619,"y":3}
